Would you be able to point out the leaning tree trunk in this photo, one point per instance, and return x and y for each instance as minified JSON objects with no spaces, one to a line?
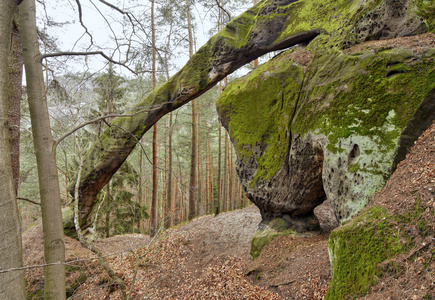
{"x":242,"y":40}
{"x":54,"y":245}
{"x":11,"y":283}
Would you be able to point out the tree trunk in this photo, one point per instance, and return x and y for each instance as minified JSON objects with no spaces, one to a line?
{"x":154,"y":221}
{"x":219,"y":206}
{"x":193,"y":157}
{"x":54,"y":246}
{"x":200,"y":207}
{"x":11,"y":283}
{"x":225,"y":180}
{"x":170,"y":213}
{"x":107,"y":217}
{"x":15,"y":89}
{"x":255,"y":60}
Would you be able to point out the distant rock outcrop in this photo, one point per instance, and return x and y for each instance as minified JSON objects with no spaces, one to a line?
{"x":324,"y":121}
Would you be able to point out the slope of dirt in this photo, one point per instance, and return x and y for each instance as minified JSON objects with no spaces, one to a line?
{"x":206,"y":258}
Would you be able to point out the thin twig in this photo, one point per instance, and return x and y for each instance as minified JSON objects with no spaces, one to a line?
{"x":79,"y":6}
{"x":28,"y":200}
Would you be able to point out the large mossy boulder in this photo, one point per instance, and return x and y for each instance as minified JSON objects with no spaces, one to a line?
{"x":324,"y":121}
{"x":335,"y":131}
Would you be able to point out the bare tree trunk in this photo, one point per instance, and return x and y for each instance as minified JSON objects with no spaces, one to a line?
{"x":219,"y":206}
{"x":139,"y":187}
{"x":54,"y":245}
{"x":11,"y":283}
{"x":255,"y":60}
{"x":108,"y":203}
{"x":15,"y":88}
{"x":200,"y":209}
{"x":154,"y":221}
{"x":225,"y":174}
{"x":193,"y":158}
{"x":169,"y":179}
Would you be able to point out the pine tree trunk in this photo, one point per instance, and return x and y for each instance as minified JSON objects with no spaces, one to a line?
{"x":54,"y":246}
{"x":139,"y":187}
{"x":225,"y":174}
{"x":193,"y":158}
{"x":11,"y":283}
{"x":169,"y":183}
{"x":107,"y":217}
{"x":200,"y":208}
{"x":255,"y":60}
{"x":219,"y":207}
{"x":154,"y":221}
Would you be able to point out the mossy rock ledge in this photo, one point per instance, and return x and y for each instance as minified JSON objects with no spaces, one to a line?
{"x":320,"y":121}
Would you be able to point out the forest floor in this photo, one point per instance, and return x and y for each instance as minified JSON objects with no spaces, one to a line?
{"x":207,"y":258}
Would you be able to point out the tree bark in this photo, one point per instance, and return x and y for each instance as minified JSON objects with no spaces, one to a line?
{"x":255,"y":60}
{"x":54,"y":246}
{"x":214,"y":61}
{"x":225,"y":174}
{"x":169,"y":205}
{"x":154,"y":221}
{"x":219,"y":207}
{"x":193,"y":155}
{"x":11,"y":283}
{"x":15,"y":94}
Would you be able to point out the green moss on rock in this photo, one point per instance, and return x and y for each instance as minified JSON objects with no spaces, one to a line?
{"x":356,"y":249}
{"x":266,"y":233}
{"x":257,"y":109}
{"x":426,"y":9}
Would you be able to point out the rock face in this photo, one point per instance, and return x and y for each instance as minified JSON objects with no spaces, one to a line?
{"x":326,"y":121}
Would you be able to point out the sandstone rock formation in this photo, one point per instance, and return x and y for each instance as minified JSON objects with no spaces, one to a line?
{"x":321,"y":122}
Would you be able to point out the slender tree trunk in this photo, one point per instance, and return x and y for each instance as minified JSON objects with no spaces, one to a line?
{"x":193,"y":157}
{"x":169,"y":179}
{"x":11,"y":283}
{"x":54,"y":245}
{"x":154,"y":221}
{"x":200,"y":209}
{"x":225,"y":174}
{"x":108,"y":203}
{"x":139,"y":187}
{"x":219,"y":206}
{"x":214,"y":200}
{"x":255,"y":60}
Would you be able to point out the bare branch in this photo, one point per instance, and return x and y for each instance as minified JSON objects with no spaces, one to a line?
{"x":86,"y":54}
{"x":118,"y":10}
{"x":224,"y":10}
{"x":102,"y":118}
{"x":28,"y":200}
{"x":81,"y":21}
